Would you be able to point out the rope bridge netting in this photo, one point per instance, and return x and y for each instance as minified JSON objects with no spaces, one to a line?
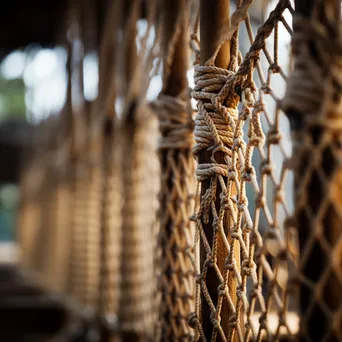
{"x":112,"y":218}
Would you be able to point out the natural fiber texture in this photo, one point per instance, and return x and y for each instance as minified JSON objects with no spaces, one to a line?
{"x":89,"y":221}
{"x":111,"y":230}
{"x":176,"y":236}
{"x":29,"y":215}
{"x":44,"y":222}
{"x":314,"y":99}
{"x":87,"y":188}
{"x":140,"y":178}
{"x":92,"y":235}
{"x":238,"y":255}
{"x":77,"y":260}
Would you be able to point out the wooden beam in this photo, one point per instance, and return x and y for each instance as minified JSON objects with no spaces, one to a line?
{"x":213,"y":16}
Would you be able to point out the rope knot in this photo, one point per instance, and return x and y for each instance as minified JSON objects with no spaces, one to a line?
{"x":234,"y":321}
{"x":275,"y":68}
{"x":229,"y":264}
{"x":193,"y":320}
{"x":238,"y":143}
{"x":266,"y":167}
{"x":224,"y":201}
{"x":279,"y":195}
{"x":265,"y":88}
{"x":260,"y":201}
{"x":273,"y":136}
{"x":215,"y":319}
{"x":247,"y":174}
{"x":256,"y":141}
{"x":263,"y":320}
{"x":256,"y":292}
{"x":236,"y":235}
{"x":247,"y":97}
{"x":221,"y":289}
{"x":245,"y":113}
{"x":248,"y":267}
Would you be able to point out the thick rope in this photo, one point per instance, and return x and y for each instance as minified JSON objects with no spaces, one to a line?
{"x":111,"y":237}
{"x":140,"y":178}
{"x":176,"y":232}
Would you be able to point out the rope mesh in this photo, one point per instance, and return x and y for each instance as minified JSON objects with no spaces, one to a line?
{"x":318,"y":170}
{"x":229,"y":272}
{"x":242,"y":280}
{"x":176,"y":235}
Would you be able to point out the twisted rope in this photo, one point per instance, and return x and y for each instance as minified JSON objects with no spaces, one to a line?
{"x":140,"y":178}
{"x":176,"y":232}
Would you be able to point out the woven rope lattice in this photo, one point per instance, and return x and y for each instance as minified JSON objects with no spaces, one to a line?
{"x":244,"y":255}
{"x":176,"y":232}
{"x":318,"y":167}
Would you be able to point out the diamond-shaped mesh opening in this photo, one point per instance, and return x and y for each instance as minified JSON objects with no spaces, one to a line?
{"x":333,"y":301}
{"x":303,"y":217}
{"x":318,"y":322}
{"x":314,"y":202}
{"x":317,"y":257}
{"x":328,"y":161}
{"x":331,"y":232}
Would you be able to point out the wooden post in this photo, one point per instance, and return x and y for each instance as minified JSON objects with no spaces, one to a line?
{"x":319,"y":186}
{"x":213,"y":16}
{"x":176,"y":81}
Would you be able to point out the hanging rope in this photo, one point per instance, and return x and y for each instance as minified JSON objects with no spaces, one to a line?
{"x":176,"y":234}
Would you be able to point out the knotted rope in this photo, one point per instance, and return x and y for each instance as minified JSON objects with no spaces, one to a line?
{"x":313,"y":99}
{"x":216,"y":130}
{"x":230,"y":232}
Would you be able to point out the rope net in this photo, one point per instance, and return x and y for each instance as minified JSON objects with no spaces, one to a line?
{"x":112,"y":219}
{"x":318,"y":147}
{"x":245,"y":254}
